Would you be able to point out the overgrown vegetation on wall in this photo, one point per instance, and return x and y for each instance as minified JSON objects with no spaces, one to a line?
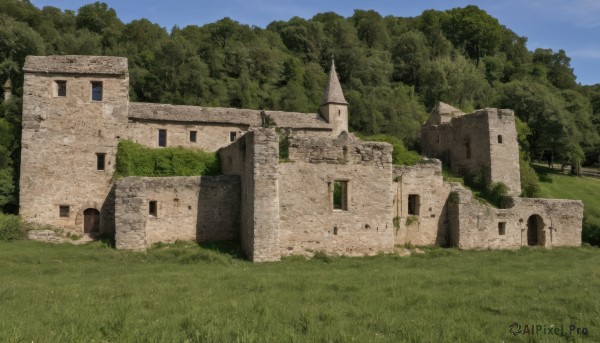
{"x":137,"y":160}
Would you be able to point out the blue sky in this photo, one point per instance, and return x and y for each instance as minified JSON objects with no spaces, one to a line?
{"x":572,"y":25}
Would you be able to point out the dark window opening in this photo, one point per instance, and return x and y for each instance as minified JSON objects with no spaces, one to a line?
{"x":499,"y":139}
{"x":438,"y":138}
{"x":61,"y":88}
{"x":340,"y":195}
{"x":97,"y":91}
{"x":502,"y":228}
{"x":335,"y":230}
{"x":413,"y":204}
{"x":64,"y":211}
{"x":468,"y":149}
{"x":152,"y":208}
{"x":162,"y":137}
{"x":100,"y":161}
{"x":193,"y":136}
{"x":339,"y":113}
{"x":232,"y":136}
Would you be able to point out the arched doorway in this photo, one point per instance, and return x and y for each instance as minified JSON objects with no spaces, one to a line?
{"x":535,"y":230}
{"x":91,"y":221}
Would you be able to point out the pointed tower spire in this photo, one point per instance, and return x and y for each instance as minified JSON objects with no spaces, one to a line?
{"x":333,"y":91}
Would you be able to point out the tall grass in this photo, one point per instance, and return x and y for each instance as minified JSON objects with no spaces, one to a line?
{"x":186,"y":293}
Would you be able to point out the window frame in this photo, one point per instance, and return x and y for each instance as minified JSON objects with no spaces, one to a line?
{"x":64,"y":211}
{"x":502,"y":228}
{"x":500,"y":141}
{"x":153,"y":208}
{"x":344,"y":196}
{"x":413,"y":207}
{"x":233,"y":136}
{"x":60,"y":85}
{"x":193,"y":136}
{"x":101,"y":157}
{"x":164,"y":139}
{"x":95,"y":85}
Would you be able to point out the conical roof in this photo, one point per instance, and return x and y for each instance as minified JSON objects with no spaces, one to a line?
{"x":333,"y":91}
{"x":7,"y":84}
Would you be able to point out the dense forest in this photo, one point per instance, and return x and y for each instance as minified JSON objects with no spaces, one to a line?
{"x":393,"y":70}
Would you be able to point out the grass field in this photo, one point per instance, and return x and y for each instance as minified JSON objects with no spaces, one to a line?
{"x":186,"y":293}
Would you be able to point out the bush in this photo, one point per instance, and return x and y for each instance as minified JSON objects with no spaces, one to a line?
{"x":137,"y":160}
{"x":400,"y":155}
{"x":496,"y":192}
{"x":530,"y":183}
{"x":591,"y":228}
{"x":11,"y":228}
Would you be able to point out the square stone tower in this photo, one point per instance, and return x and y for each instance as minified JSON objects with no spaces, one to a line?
{"x":74,"y":113}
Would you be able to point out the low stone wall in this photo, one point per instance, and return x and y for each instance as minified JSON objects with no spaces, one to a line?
{"x":430,"y":225}
{"x":201,"y":208}
{"x":544,"y":222}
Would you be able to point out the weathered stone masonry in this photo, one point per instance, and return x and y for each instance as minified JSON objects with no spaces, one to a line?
{"x":332,"y":193}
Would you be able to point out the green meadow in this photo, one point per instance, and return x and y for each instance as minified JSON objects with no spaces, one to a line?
{"x":190,"y":293}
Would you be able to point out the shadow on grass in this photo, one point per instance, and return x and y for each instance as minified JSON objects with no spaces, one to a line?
{"x":231,"y":248}
{"x":544,"y":172}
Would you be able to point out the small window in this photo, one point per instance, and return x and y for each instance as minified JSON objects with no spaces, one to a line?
{"x":162,"y":137}
{"x":232,"y":136}
{"x":100,"y":161}
{"x":152,"y":208}
{"x":501,"y":228}
{"x":64,"y":211}
{"x":439,"y":138}
{"x":96,"y":91}
{"x":468,"y":149}
{"x":499,"y":139}
{"x":193,"y":136}
{"x":340,"y":195}
{"x":413,"y":204}
{"x":61,"y":88}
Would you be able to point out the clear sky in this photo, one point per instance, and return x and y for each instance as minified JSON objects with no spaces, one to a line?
{"x":572,"y":25}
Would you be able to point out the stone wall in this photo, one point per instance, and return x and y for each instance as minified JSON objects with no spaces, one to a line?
{"x":477,"y":225}
{"x":254,"y":158}
{"x":209,"y":137}
{"x":308,"y":221}
{"x":61,"y":138}
{"x":200,"y":208}
{"x":484,"y":141}
{"x":430,"y":225}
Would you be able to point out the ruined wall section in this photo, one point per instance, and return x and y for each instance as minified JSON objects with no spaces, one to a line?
{"x":470,"y":148}
{"x":437,"y":141}
{"x":194,"y":208}
{"x":429,"y":226}
{"x":308,"y":221}
{"x":254,"y":158}
{"x":504,"y":150}
{"x":476,"y":225}
{"x":61,"y":138}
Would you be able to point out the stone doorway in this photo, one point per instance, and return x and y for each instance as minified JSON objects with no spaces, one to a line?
{"x":535,"y":230}
{"x":91,"y":221}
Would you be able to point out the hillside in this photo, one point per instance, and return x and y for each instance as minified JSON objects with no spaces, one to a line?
{"x":392,"y":69}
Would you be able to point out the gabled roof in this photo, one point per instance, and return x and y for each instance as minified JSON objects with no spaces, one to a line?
{"x":445,"y":109}
{"x":333,"y":91}
{"x":75,"y":64}
{"x":220,"y":115}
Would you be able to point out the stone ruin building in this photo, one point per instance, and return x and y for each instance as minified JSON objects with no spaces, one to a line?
{"x":76,"y":109}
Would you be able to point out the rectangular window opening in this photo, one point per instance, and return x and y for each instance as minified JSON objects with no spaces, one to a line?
{"x":414,"y":204}
{"x":152,"y":208}
{"x":232,"y":136}
{"x":193,"y":136}
{"x":96,"y":91}
{"x":499,"y":139}
{"x":61,"y":88}
{"x":64,"y":211}
{"x":468,"y":149}
{"x":502,"y":228}
{"x":162,"y":137}
{"x":100,"y":161}
{"x":340,"y":195}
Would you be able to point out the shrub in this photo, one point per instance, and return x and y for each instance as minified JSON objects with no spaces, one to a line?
{"x":496,"y":192}
{"x":591,"y":228}
{"x":11,"y":228}
{"x":530,"y":183}
{"x":137,"y":160}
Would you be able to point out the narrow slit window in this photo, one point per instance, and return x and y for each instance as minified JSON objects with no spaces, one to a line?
{"x":414,"y":203}
{"x":499,"y":139}
{"x":468,"y":149}
{"x":162,"y":137}
{"x":152,"y":210}
{"x":340,"y":195}
{"x":61,"y":88}
{"x":96,"y":91}
{"x":232,"y":136}
{"x":64,"y":211}
{"x":502,"y":228}
{"x":193,"y":136}
{"x":100,"y":161}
